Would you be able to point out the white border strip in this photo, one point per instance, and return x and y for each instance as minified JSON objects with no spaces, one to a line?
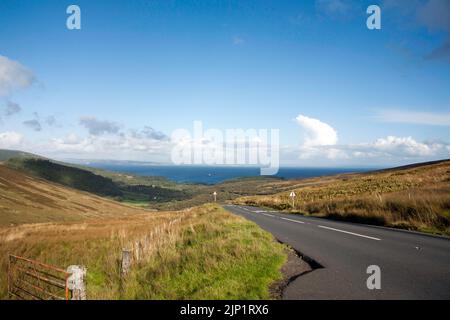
{"x":355,"y":234}
{"x":269,"y":215}
{"x":296,"y":221}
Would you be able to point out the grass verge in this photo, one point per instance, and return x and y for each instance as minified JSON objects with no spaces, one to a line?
{"x":207,"y":254}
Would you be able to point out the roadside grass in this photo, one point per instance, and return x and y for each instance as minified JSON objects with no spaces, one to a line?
{"x":414,"y":199}
{"x":199,"y":253}
{"x":220,"y":259}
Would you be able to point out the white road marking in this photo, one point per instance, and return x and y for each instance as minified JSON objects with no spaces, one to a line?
{"x":301,"y":222}
{"x":348,"y":232}
{"x":269,"y":215}
{"x":296,"y":221}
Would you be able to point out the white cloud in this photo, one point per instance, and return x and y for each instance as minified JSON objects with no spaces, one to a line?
{"x":317,"y":133}
{"x":10,"y":139}
{"x":73,"y":144}
{"x":13,"y":76}
{"x":324,"y":152}
{"x":405,"y":146}
{"x":126,"y":146}
{"x":382,"y":149}
{"x":414,"y":117}
{"x":336,"y":153}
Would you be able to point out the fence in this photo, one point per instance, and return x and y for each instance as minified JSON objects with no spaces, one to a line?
{"x":141,"y":248}
{"x":29,"y":279}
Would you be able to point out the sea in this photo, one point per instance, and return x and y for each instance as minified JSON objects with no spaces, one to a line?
{"x":212,"y":175}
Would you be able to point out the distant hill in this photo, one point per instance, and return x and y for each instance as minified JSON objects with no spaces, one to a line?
{"x":89,"y":162}
{"x":415,"y":197}
{"x":119,"y":186}
{"x":9,"y":154}
{"x":414,"y":165}
{"x":26,"y":199}
{"x":67,"y":176}
{"x":144,"y":191}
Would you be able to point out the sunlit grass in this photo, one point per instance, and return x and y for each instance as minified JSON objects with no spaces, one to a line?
{"x":207,"y":254}
{"x":415,"y":199}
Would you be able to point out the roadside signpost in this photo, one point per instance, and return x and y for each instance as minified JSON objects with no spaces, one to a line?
{"x":293,"y":195}
{"x":215,"y":196}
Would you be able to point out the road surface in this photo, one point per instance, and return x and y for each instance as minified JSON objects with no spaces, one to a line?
{"x":413,"y":265}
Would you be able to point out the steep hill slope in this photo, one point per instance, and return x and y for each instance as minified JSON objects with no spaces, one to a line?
{"x":26,"y":199}
{"x":121,"y":187}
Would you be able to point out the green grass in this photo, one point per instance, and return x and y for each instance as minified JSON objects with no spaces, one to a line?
{"x":137,"y":203}
{"x":210,"y":254}
{"x":232,"y":260}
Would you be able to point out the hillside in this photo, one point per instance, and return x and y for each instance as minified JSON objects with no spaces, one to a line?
{"x":9,"y":154}
{"x":415,"y":197}
{"x":120,"y":187}
{"x":58,"y":225}
{"x":144,"y":191}
{"x":26,"y":199}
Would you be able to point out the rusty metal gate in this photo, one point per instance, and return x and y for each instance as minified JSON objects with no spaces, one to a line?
{"x":29,"y":279}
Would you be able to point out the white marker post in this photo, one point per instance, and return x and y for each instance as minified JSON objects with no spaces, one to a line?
{"x":293,"y":195}
{"x":215,"y":196}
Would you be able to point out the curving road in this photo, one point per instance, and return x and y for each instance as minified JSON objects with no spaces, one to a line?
{"x":413,"y":265}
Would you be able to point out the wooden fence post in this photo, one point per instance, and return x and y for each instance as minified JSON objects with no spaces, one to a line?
{"x":126,"y":261}
{"x":77,"y":282}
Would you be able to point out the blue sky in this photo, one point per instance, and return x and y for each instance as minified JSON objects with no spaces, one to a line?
{"x":137,"y":70}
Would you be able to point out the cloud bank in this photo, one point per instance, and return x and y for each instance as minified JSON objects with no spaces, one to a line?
{"x":10,"y":140}
{"x":414,"y":117}
{"x":124,"y":146}
{"x":321,"y":142}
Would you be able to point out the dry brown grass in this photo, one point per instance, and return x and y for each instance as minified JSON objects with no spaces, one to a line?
{"x":24,"y":199}
{"x":198,"y":253}
{"x":95,"y":243}
{"x":415,"y":198}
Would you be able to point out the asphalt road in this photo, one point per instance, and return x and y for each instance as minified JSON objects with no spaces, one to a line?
{"x":412,"y":265}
